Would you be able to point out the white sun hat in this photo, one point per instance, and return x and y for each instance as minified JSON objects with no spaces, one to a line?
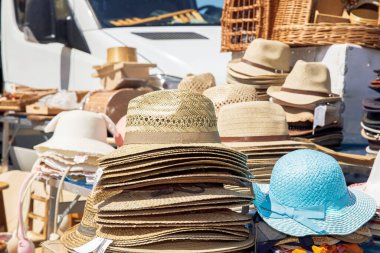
{"x":78,"y":132}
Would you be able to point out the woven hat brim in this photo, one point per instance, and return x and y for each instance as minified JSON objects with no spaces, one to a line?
{"x":211,"y":218}
{"x":299,"y":117}
{"x":138,"y":200}
{"x":134,"y":149}
{"x":83,"y":146}
{"x":373,"y":190}
{"x":189,"y":247}
{"x":178,"y":170}
{"x":298,"y":99}
{"x":238,"y":145}
{"x":337,"y":222}
{"x":353,"y":238}
{"x":177,"y":179}
{"x":241,"y":69}
{"x":72,"y":238}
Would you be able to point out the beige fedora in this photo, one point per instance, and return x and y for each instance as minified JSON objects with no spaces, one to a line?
{"x":308,"y":83}
{"x":166,"y":120}
{"x":263,"y":58}
{"x":226,"y":94}
{"x":257,"y":123}
{"x":197,"y":83}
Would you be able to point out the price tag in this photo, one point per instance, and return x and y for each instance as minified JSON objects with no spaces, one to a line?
{"x":90,"y":246}
{"x":319,"y":116}
{"x":103,"y":247}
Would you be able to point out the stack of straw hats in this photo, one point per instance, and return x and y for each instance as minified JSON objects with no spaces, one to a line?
{"x":371,"y":120}
{"x":264,"y":64}
{"x":164,"y":189}
{"x":226,"y":94}
{"x":312,"y":111}
{"x":197,"y":83}
{"x":372,"y":188}
{"x":259,"y":130}
{"x":308,"y":196}
{"x":76,"y":134}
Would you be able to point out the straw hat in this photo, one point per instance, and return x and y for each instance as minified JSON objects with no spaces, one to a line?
{"x":307,"y":195}
{"x":238,"y":128}
{"x":263,"y":57}
{"x":169,"y":119}
{"x":372,"y":186}
{"x":308,"y":83}
{"x":78,"y":132}
{"x":83,"y":232}
{"x":226,"y":94}
{"x":197,"y":83}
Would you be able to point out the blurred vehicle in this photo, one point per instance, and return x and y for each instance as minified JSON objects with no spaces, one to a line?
{"x":55,"y":43}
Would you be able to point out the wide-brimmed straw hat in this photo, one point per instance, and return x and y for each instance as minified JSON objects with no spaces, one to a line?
{"x":263,"y":58}
{"x":307,"y":195}
{"x":308,"y":83}
{"x":169,"y":119}
{"x":197,"y":83}
{"x":78,"y":132}
{"x":226,"y":94}
{"x":258,"y":123}
{"x":83,"y":232}
{"x":372,"y":186}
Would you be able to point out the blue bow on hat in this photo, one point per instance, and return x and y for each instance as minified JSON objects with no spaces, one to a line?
{"x":271,"y":208}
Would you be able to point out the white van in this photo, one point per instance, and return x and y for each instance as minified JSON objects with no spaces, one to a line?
{"x":55,"y":43}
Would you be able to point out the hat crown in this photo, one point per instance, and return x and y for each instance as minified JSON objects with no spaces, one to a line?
{"x":171,"y":111}
{"x":307,"y":178}
{"x":226,"y":94}
{"x":309,"y":76}
{"x":273,"y":54}
{"x":258,"y":118}
{"x":197,"y":83}
{"x":81,"y":124}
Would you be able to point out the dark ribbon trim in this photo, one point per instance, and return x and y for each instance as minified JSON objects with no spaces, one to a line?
{"x":308,"y":92}
{"x":257,"y":65}
{"x":256,"y":138}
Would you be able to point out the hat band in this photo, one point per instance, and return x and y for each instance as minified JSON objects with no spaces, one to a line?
{"x":260,"y":66}
{"x":87,"y":231}
{"x":256,"y":138}
{"x":170,"y":138}
{"x":308,"y":92}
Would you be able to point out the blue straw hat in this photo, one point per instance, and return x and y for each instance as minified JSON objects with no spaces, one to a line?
{"x":308,"y":195}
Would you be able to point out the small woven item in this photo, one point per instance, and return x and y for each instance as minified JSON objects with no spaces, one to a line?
{"x":226,"y":94}
{"x":197,"y":83}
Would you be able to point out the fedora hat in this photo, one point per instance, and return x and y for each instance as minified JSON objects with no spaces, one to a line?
{"x":371,"y":104}
{"x":197,"y":83}
{"x":78,"y":132}
{"x":239,"y":128}
{"x":83,"y":232}
{"x":307,"y":195}
{"x":163,"y":120}
{"x":226,"y":94}
{"x":372,"y":186}
{"x":263,"y":58}
{"x":308,"y":83}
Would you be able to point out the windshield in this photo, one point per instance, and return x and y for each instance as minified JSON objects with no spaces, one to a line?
{"x":114,"y":13}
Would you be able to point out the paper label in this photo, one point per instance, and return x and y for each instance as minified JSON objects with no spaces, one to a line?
{"x":98,"y":175}
{"x":78,"y":159}
{"x":319,"y":116}
{"x":90,"y":246}
{"x":103,"y":247}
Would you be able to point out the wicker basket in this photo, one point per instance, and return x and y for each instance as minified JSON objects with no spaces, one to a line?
{"x":244,"y":20}
{"x":292,"y":27}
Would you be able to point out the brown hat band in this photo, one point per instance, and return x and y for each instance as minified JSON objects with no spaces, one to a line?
{"x":170,"y":138}
{"x":256,"y":138}
{"x":308,"y":92}
{"x":276,"y":71}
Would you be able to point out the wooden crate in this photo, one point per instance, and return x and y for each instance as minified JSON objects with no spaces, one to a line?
{"x":41,"y":109}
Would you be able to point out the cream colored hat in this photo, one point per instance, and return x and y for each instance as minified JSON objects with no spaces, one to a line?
{"x":169,"y":119}
{"x":197,"y":83}
{"x":226,"y":94}
{"x":78,"y":132}
{"x":263,"y":58}
{"x":372,"y":186}
{"x":308,"y":83}
{"x":253,"y":124}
